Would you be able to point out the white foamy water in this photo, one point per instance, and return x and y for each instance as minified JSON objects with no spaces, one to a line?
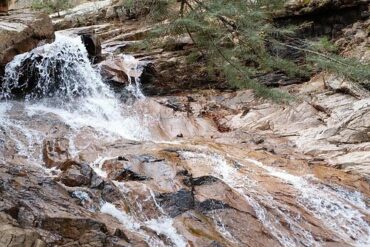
{"x":128,"y":221}
{"x":133,"y":70}
{"x":70,"y":89}
{"x":69,"y":93}
{"x":162,"y":226}
{"x":222,"y":169}
{"x":341,"y":211}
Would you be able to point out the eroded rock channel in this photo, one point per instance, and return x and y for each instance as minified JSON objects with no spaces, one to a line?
{"x":87,"y":163}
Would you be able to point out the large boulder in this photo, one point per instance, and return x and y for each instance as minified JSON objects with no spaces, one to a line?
{"x":93,"y":46}
{"x":21,"y":32}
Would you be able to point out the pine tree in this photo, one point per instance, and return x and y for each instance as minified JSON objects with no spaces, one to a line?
{"x":239,"y":40}
{"x":51,"y":6}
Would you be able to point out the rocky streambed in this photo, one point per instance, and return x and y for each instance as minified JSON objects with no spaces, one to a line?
{"x":95,"y":161}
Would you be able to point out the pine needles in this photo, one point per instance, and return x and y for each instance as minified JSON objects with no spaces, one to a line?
{"x":239,"y":41}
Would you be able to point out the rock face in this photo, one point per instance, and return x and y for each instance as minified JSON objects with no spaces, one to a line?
{"x":93,"y":46}
{"x":324,"y":17}
{"x":85,"y":14}
{"x":206,"y":168}
{"x":303,"y":7}
{"x":4,"y":6}
{"x":19,"y":4}
{"x":15,"y":236}
{"x":177,"y":195}
{"x":21,"y":32}
{"x":122,"y":70}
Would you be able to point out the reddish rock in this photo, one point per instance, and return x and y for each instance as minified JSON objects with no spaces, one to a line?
{"x":21,"y":32}
{"x":4,"y":6}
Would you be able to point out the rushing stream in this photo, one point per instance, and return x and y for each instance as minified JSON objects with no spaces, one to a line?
{"x":67,"y":100}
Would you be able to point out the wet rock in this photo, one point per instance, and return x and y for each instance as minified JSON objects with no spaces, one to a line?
{"x":84,"y":199}
{"x":209,"y":205}
{"x":176,"y":203}
{"x":113,"y":71}
{"x":93,"y":46}
{"x":42,"y":211}
{"x":120,"y":234}
{"x":121,"y":70}
{"x":205,"y":180}
{"x":77,"y":175}
{"x":127,"y":175}
{"x":97,"y":182}
{"x":93,"y":239}
{"x":55,"y":152}
{"x":223,"y":193}
{"x":21,"y":32}
{"x":110,"y":192}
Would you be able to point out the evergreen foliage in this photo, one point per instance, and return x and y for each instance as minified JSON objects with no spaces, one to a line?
{"x":155,"y":8}
{"x":327,"y":59}
{"x":51,"y":6}
{"x":239,"y":40}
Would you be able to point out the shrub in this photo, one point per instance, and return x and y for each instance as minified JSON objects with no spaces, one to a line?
{"x":51,"y":6}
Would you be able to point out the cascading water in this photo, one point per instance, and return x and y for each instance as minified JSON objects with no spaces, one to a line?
{"x":54,"y":89}
{"x":133,"y":70}
{"x":60,"y":70}
{"x":59,"y":87}
{"x":341,"y":211}
{"x":64,"y":84}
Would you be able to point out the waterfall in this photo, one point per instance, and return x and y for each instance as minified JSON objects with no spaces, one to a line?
{"x":60,"y":70}
{"x":59,"y":86}
{"x":58,"y":79}
{"x":55,"y":89}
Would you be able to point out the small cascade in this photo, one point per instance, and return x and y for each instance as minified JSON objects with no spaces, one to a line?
{"x":341,"y":211}
{"x":55,"y":84}
{"x":161,"y":226}
{"x":133,"y":70}
{"x":58,"y":80}
{"x":60,"y":70}
{"x":52,"y":96}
